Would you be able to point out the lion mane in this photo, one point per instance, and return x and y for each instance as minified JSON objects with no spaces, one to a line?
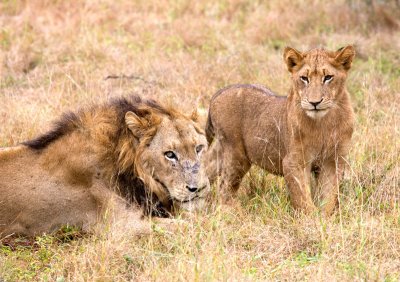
{"x":117,"y":150}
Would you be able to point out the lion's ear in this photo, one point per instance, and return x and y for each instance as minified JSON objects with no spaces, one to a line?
{"x":195,"y":115}
{"x":293,"y":58}
{"x":344,"y":56}
{"x":138,"y":125}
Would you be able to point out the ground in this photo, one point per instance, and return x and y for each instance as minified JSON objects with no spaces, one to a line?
{"x":60,"y":55}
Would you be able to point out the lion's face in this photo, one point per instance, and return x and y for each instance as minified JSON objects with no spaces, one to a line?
{"x":318,"y":77}
{"x":171,"y":161}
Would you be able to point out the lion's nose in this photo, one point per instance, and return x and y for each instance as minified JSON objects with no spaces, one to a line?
{"x":315,"y":104}
{"x":191,"y":188}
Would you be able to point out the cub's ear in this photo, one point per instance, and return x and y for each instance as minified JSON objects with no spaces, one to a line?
{"x":293,"y":58}
{"x":344,"y":56}
{"x":139,"y":125}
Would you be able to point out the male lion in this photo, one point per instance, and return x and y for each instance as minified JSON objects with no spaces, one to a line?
{"x":306,"y":133}
{"x":107,"y":160}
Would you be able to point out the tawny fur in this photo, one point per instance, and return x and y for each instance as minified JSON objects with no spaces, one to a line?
{"x":287,"y":136}
{"x":106,"y":162}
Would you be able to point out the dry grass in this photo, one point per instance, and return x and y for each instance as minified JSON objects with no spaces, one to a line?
{"x":54,"y":55}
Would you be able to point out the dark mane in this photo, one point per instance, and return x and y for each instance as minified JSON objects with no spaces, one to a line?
{"x":131,"y":188}
{"x":68,"y":123}
{"x":129,"y":185}
{"x":136,"y":104}
{"x":71,"y":121}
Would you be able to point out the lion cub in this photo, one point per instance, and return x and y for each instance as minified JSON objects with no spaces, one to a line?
{"x":302,"y":136}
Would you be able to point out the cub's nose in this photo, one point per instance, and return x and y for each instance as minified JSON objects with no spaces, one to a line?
{"x":315,"y":104}
{"x":191,"y":188}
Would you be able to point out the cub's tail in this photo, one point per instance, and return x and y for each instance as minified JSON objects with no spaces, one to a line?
{"x":210,"y":134}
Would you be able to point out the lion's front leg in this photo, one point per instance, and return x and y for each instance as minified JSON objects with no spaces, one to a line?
{"x":298,"y":181}
{"x":120,"y":218}
{"x":114,"y":213}
{"x":328,"y":184}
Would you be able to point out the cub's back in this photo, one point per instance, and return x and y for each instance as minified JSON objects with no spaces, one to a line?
{"x":252,"y":118}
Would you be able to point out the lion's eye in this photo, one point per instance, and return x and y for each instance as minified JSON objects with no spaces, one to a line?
{"x":328,"y":78}
{"x":199,"y":148}
{"x":170,"y":155}
{"x":304,"y":79}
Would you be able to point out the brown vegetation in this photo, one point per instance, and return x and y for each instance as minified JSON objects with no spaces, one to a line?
{"x":55,"y":55}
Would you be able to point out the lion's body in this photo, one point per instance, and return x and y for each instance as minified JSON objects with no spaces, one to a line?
{"x":83,"y":169}
{"x":34,"y":200}
{"x":253,"y":126}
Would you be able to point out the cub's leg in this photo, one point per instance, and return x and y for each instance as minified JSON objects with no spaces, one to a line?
{"x":235,"y":165}
{"x":298,"y":181}
{"x":213,"y":161}
{"x":328,"y":184}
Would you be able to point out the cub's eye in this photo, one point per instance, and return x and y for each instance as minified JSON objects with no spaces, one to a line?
{"x":199,"y":148}
{"x":328,"y":78}
{"x":304,"y":79}
{"x":170,"y":155}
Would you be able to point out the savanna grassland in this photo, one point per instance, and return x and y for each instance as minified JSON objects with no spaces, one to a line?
{"x":60,"y":55}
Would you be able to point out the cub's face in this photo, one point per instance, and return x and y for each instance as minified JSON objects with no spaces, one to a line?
{"x":318,"y":77}
{"x":172,"y":162}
